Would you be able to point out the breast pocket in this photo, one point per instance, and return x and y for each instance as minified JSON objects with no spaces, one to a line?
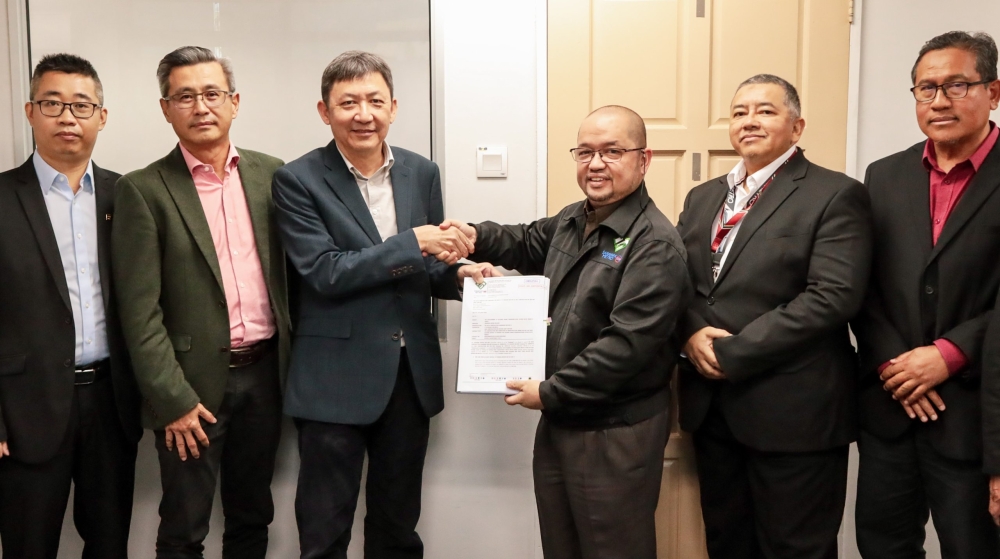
{"x":12,"y":364}
{"x":786,"y":230}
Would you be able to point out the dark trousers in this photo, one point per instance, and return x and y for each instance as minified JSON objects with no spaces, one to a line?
{"x":768,"y":505}
{"x":242,"y":447}
{"x":597,"y":490}
{"x":901,"y":482}
{"x":99,"y":460}
{"x":332,"y":457}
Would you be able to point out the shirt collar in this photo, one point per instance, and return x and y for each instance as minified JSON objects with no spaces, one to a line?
{"x":739,"y":171}
{"x":47,"y":175}
{"x":193,"y":163}
{"x":386,"y":166}
{"x":930,"y":155}
{"x":624,"y":213}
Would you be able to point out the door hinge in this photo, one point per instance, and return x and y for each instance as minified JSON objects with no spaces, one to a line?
{"x":850,"y":12}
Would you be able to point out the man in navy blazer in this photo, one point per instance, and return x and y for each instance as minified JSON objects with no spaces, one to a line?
{"x":359,"y":222}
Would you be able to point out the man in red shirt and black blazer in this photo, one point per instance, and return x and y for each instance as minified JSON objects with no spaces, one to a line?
{"x":936,"y":211}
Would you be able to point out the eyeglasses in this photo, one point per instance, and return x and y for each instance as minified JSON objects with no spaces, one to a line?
{"x":79,"y":109}
{"x":952,"y":90}
{"x":586,"y":155}
{"x":212,"y":98}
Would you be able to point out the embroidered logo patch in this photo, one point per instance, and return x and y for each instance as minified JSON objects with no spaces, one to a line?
{"x":608,"y":255}
{"x":621,"y":243}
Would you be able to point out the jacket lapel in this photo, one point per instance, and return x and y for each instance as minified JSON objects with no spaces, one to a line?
{"x":710,"y":213}
{"x":256,"y":188}
{"x":177,"y":179}
{"x":345,"y":187}
{"x":770,"y":200}
{"x":402,"y":191}
{"x":982,"y":186}
{"x":29,"y":192}
{"x":104,"y":192}
{"x":913,"y":186}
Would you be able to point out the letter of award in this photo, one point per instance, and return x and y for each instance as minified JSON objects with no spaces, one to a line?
{"x":504,"y":324}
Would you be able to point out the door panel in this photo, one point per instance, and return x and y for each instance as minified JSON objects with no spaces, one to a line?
{"x":677,"y":63}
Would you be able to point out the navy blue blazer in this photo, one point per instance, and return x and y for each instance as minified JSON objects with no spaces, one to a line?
{"x":358,"y":293}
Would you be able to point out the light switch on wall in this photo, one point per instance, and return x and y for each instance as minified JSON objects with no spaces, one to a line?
{"x":491,"y":161}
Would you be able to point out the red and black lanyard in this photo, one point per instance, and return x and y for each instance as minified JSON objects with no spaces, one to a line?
{"x":725,"y":226}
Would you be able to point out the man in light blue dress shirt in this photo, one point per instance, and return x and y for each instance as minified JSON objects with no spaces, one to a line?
{"x":68,"y":403}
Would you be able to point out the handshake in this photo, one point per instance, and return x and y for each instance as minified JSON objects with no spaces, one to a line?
{"x":448,"y":242}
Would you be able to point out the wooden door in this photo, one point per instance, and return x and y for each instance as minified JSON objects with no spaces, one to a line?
{"x":678,"y":63}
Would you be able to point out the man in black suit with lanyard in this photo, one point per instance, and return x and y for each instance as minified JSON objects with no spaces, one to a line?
{"x":69,"y":408}
{"x":936,"y":211}
{"x":779,"y":253}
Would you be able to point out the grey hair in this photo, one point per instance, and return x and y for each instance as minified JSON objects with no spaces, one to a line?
{"x":350,"y":66}
{"x":979,"y":44}
{"x":791,"y":94}
{"x":189,"y":56}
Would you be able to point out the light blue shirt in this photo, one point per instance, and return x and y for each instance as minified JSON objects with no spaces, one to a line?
{"x":74,"y":221}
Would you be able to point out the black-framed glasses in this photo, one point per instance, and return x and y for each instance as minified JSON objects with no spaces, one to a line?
{"x":586,"y":155}
{"x":79,"y":109}
{"x":212,"y":98}
{"x":952,"y":90}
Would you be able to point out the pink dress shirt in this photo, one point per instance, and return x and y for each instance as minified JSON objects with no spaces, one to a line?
{"x":225,"y":205}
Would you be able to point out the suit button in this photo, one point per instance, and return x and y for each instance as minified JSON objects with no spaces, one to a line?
{"x":68,"y":321}
{"x":222,"y":304}
{"x":711,"y":301}
{"x":395,"y":336}
{"x":223,"y":349}
{"x":68,"y":363}
{"x":929,"y":290}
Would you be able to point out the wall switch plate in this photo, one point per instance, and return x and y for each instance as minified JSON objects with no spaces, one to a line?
{"x":491,"y":161}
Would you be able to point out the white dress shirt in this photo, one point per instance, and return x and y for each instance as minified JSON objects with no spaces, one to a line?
{"x":74,"y":222}
{"x":377,"y":192}
{"x":739,"y":196}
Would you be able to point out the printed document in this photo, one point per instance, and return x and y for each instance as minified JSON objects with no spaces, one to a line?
{"x":504,"y":324}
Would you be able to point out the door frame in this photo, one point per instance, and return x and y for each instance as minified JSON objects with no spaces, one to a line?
{"x":853,"y":99}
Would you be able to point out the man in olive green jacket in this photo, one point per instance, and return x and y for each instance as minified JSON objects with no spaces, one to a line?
{"x":204,"y":309}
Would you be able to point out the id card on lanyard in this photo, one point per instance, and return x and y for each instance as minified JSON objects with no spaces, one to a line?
{"x":726,"y":226}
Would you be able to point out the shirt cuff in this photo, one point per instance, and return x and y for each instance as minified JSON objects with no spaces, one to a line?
{"x":954,"y":358}
{"x":883,"y":367}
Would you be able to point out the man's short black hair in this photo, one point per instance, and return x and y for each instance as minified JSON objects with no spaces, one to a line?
{"x":980,"y":44}
{"x":68,"y":64}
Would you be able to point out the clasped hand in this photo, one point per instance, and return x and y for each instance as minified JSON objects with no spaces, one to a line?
{"x":701,"y":353}
{"x":912,"y":376}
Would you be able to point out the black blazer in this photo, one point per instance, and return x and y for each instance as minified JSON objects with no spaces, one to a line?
{"x":37,"y":337}
{"x":990,"y":373}
{"x":358,"y":292}
{"x":795,"y":275}
{"x":919,"y":293}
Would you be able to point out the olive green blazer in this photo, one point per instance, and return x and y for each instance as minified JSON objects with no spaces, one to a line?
{"x":171,"y":298}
